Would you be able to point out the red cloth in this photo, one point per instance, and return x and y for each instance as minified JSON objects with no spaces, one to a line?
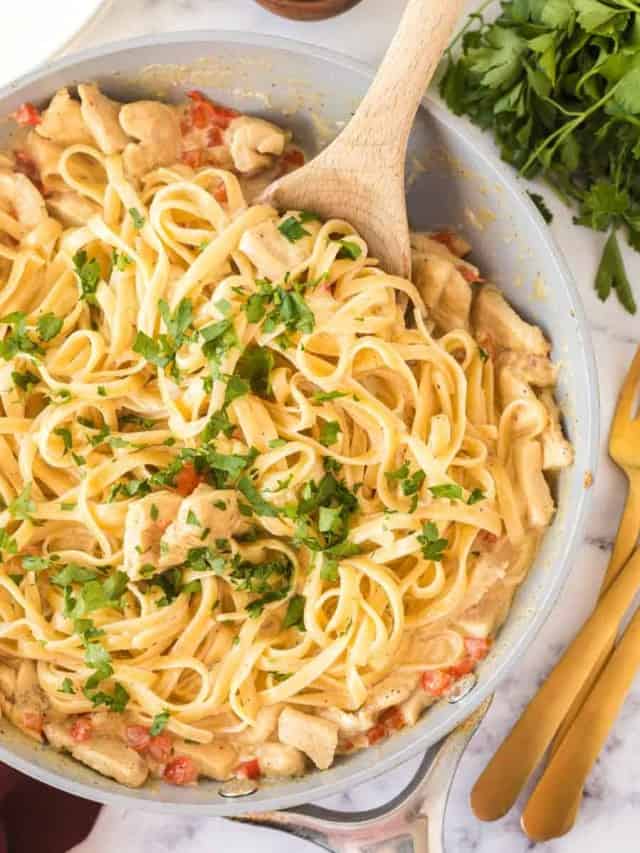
{"x":35,"y":818}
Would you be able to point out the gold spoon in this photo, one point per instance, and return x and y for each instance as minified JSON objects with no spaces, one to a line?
{"x":517,"y":757}
{"x":360,"y":176}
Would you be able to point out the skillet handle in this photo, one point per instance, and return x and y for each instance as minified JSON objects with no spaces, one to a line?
{"x":412,"y":822}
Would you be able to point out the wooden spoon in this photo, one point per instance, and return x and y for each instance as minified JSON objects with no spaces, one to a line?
{"x":360,"y":176}
{"x":521,"y":751}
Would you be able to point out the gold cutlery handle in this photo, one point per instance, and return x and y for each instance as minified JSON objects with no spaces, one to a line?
{"x":623,"y":548}
{"x":554,"y":804}
{"x":506,"y":774}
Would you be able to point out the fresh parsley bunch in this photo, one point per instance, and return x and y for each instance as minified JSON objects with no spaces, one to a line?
{"x":558,"y":83}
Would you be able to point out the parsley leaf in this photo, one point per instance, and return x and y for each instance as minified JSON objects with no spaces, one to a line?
{"x":22,"y":507}
{"x":49,"y":326}
{"x":294,"y":617}
{"x":349,"y":249}
{"x":292,"y":229}
{"x":476,"y":496}
{"x":255,"y":365}
{"x":612,"y":274}
{"x":258,"y":504}
{"x":66,"y":686}
{"x":432,"y":545}
{"x":88,"y":272}
{"x":18,"y":339}
{"x":541,"y":204}
{"x":329,"y":433}
{"x":25,"y":381}
{"x":159,"y":723}
{"x":137,"y":218}
{"x":447,"y":490}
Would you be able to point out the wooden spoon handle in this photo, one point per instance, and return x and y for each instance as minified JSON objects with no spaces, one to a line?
{"x":384,"y":118}
{"x":553,"y":806}
{"x":506,"y":774}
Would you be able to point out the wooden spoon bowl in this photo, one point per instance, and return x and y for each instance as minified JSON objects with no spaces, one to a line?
{"x":307,"y":10}
{"x":360,"y":176}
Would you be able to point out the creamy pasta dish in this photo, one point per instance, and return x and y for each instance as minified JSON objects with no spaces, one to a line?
{"x":262,"y":503}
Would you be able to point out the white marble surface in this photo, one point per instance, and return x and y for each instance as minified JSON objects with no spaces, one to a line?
{"x":610,"y":816}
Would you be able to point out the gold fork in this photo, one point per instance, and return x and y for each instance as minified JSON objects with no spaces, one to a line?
{"x":503,"y":779}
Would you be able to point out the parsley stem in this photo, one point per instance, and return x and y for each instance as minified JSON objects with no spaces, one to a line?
{"x":473,"y":16}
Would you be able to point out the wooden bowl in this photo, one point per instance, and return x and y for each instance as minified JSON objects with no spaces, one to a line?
{"x":307,"y":10}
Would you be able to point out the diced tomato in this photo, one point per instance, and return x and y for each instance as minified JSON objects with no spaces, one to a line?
{"x":81,"y":729}
{"x":32,"y":720}
{"x":214,"y":137}
{"x":181,"y":771}
{"x":463,"y":667}
{"x":436,"y":681}
{"x":477,"y":647}
{"x":205,"y":112}
{"x":486,"y":539}
{"x":376,"y":734}
{"x":346,"y":745}
{"x":27,"y":115}
{"x":469,"y":274}
{"x":187,"y":479}
{"x":160,"y":747}
{"x":393,"y":719}
{"x":293,"y":158}
{"x":249,"y":769}
{"x":138,"y":737}
{"x":220,"y":193}
{"x":193,"y":158}
{"x":446,"y":238}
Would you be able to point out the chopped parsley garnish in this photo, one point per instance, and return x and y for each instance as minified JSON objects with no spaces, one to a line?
{"x":236,"y":387}
{"x":476,"y":496}
{"x":159,"y":723}
{"x":25,"y":381}
{"x":484,"y":355}
{"x":49,"y":326}
{"x":88,"y":272}
{"x":162,"y":350}
{"x":329,"y":433}
{"x":218,"y":423}
{"x":349,"y":249}
{"x":294,"y":617}
{"x":292,"y":229}
{"x":255,"y":366}
{"x":447,"y":490}
{"x":65,"y":435}
{"x":325,"y":396}
{"x":137,"y":218}
{"x":66,"y":686}
{"x":433,"y":546}
{"x":256,"y":502}
{"x":116,"y":701}
{"x":192,"y":519}
{"x":120,"y":260}
{"x":18,"y":339}
{"x":277,"y":442}
{"x":7,"y":542}
{"x":22,"y":507}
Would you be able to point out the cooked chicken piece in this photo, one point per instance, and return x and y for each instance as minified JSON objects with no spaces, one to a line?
{"x":100,"y":115}
{"x":265,"y":726}
{"x":71,"y":208}
{"x":253,"y":143}
{"x":279,"y":761}
{"x":348,"y":723}
{"x":19,"y":194}
{"x":485,"y":617}
{"x":527,"y":457}
{"x":146,"y":521}
{"x":316,"y":737}
{"x":27,"y":710}
{"x":7,"y":680}
{"x":413,"y":707}
{"x":270,"y":251}
{"x":538,"y":370}
{"x":157,"y":126}
{"x":214,"y":511}
{"x":58,"y":734}
{"x":497,"y":326}
{"x":490,"y":568}
{"x":445,"y":292}
{"x":557,"y":452}
{"x":214,"y":760}
{"x":392,"y":690}
{"x":449,"y":243}
{"x":44,"y":153}
{"x":112,"y":758}
{"x":62,"y":121}
{"x":109,"y":723}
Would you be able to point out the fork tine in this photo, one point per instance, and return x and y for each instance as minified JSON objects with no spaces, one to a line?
{"x":627,"y":396}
